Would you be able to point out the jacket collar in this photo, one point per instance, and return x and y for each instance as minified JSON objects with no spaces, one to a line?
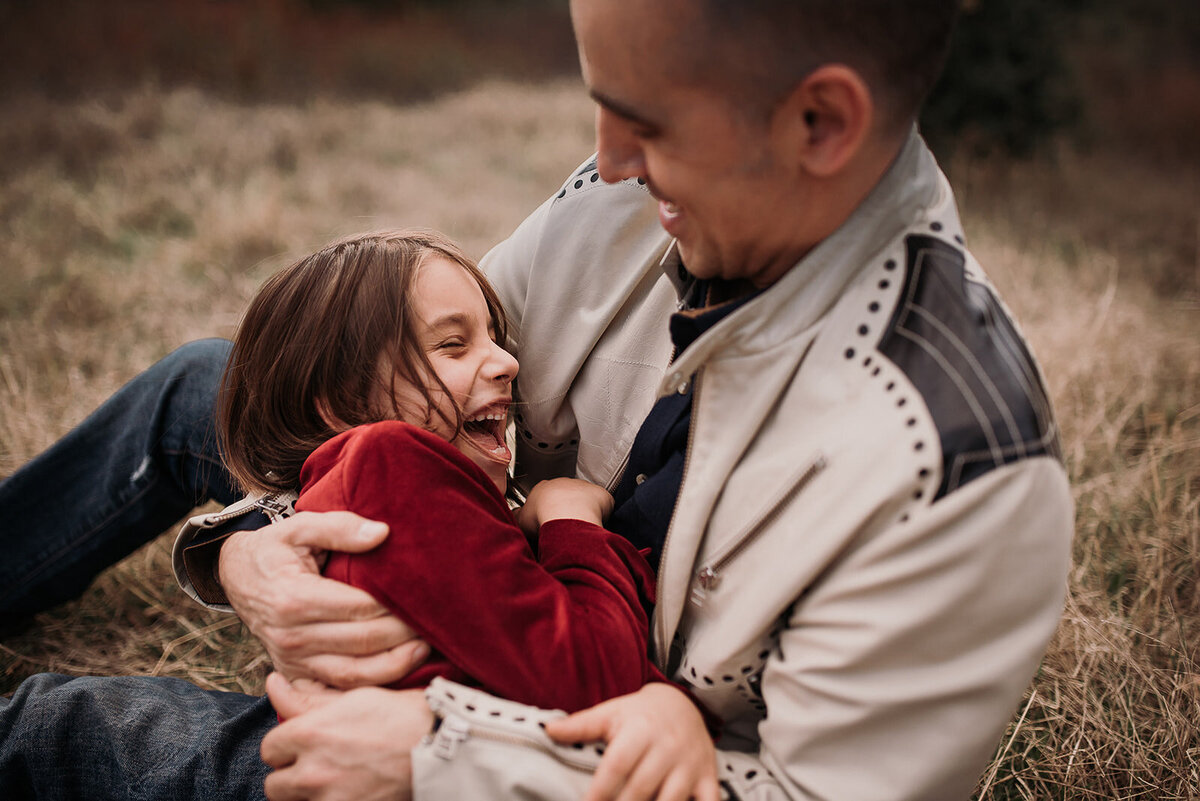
{"x":787,"y":313}
{"x":911,"y":185}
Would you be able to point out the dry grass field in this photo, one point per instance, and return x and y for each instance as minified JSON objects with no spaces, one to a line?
{"x":130,"y":226}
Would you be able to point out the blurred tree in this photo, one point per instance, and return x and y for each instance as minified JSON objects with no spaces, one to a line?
{"x":1006,"y":87}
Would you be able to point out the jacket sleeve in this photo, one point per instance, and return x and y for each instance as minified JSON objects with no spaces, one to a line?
{"x":566,"y":627}
{"x":197,"y":547}
{"x":895,"y":675}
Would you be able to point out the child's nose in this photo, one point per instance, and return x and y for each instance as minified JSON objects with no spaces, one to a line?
{"x":504,"y":364}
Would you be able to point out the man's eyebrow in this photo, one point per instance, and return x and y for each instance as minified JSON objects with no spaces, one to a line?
{"x":621,"y":110}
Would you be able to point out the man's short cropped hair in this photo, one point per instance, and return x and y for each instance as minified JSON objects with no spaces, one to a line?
{"x":769,"y":46}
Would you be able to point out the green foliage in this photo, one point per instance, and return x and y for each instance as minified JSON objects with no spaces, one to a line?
{"x":1006,"y":87}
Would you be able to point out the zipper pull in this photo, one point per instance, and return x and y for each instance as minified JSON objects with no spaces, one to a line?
{"x":706,"y":579}
{"x":275,"y":508}
{"x":453,"y":731}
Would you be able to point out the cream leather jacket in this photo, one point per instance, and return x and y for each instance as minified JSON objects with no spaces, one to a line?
{"x":870,"y":548}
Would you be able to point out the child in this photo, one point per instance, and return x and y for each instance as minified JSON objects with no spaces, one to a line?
{"x":371,"y":376}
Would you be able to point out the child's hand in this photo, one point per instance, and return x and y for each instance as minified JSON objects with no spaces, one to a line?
{"x":657,"y":746}
{"x":561,"y":498}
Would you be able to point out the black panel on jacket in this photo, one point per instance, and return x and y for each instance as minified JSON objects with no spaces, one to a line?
{"x":955,"y":343}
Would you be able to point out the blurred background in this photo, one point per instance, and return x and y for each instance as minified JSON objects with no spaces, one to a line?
{"x":159,"y":159}
{"x":1026,"y":78}
{"x":1108,"y":72}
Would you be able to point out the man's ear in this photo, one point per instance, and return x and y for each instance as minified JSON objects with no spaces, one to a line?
{"x":830,"y":115}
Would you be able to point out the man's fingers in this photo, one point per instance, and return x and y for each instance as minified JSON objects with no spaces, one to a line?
{"x":348,"y":672}
{"x":293,"y":778}
{"x":357,"y":638}
{"x":339,"y":635}
{"x":590,"y":724}
{"x":281,"y":786}
{"x":276,"y":751}
{"x":333,"y":531}
{"x":313,"y":687}
{"x":288,"y":701}
{"x":316,"y":599}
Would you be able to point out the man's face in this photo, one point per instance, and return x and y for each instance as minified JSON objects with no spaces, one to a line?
{"x":721,"y":174}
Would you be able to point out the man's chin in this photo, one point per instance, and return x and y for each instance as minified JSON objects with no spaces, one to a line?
{"x":698,"y":260}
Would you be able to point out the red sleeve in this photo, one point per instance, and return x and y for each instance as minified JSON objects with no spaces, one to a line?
{"x":566,"y":628}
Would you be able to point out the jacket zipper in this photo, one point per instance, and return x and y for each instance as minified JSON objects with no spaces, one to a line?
{"x":455,"y":730}
{"x":659,"y":613}
{"x":620,"y":474}
{"x":225,"y":515}
{"x":270,"y":505}
{"x":709,"y":577}
{"x":275,"y":508}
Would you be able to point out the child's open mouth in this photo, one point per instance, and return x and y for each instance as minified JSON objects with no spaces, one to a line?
{"x":486,"y":430}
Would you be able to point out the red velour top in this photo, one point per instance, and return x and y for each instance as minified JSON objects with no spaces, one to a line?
{"x":559,"y":623}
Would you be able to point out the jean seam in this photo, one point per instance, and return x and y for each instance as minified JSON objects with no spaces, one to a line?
{"x":58,"y":554}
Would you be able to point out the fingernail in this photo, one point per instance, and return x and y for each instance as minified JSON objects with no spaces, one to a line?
{"x":372,"y":530}
{"x":421,"y":652}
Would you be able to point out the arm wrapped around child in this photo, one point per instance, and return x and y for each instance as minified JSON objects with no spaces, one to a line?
{"x":561,"y":622}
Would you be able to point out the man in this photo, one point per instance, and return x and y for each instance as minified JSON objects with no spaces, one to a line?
{"x":849,"y":466}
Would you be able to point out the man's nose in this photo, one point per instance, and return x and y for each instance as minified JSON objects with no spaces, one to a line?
{"x":619,"y":153}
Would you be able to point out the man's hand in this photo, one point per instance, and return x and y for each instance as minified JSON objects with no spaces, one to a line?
{"x":314,"y":627}
{"x":657,"y":746}
{"x":342,"y":746}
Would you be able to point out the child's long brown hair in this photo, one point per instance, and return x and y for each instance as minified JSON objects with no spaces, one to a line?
{"x":311,"y":356}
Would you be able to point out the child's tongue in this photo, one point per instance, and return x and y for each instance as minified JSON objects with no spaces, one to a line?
{"x":483,"y":433}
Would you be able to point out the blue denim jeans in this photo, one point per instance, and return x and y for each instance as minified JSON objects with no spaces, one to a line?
{"x":130,"y":738}
{"x":129,"y":471}
{"x":133,"y":468}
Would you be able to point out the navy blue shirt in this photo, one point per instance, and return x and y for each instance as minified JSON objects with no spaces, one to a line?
{"x":646,"y":495}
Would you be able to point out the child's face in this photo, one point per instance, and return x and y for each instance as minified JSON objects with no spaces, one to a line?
{"x":455,"y":330}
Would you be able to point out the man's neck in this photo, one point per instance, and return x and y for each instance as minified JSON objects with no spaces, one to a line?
{"x":839,"y":199}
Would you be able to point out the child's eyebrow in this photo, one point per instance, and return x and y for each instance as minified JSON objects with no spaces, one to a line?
{"x":449,"y":321}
